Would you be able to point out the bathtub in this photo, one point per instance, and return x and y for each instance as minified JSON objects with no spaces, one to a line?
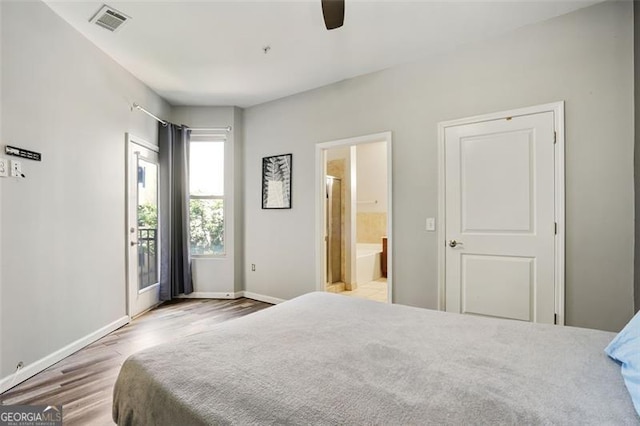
{"x":368,"y":262}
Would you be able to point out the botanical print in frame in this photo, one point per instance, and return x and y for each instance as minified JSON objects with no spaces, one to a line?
{"x":276,"y":181}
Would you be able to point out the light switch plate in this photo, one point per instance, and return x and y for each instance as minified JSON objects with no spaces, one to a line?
{"x":4,"y":167}
{"x":431,"y":224}
{"x":16,"y":168}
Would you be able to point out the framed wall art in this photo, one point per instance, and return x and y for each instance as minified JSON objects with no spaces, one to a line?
{"x":276,"y":181}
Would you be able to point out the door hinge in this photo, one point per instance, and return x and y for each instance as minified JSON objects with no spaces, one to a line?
{"x":555,"y":228}
{"x":555,"y":137}
{"x":555,"y":318}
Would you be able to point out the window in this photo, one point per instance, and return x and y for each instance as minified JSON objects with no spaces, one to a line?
{"x":206,"y":198}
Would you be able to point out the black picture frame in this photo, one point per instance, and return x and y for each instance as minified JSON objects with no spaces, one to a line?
{"x":276,"y":181}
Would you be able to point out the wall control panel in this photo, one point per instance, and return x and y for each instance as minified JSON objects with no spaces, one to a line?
{"x":16,"y":168}
{"x":10,"y":168}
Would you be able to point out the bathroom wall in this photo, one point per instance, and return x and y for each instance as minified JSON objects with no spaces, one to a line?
{"x":371,"y":189}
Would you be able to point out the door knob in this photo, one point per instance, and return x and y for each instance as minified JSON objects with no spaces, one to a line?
{"x":453,"y":243}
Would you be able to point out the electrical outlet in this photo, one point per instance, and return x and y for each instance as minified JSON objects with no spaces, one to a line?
{"x":4,"y":167}
{"x":16,"y":168}
{"x":253,"y":267}
{"x":19,"y":366}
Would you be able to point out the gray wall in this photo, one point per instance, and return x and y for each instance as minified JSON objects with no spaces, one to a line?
{"x":63,"y":227}
{"x":584,"y":58}
{"x":1,"y":197}
{"x":238,"y":180}
{"x":636,"y":76}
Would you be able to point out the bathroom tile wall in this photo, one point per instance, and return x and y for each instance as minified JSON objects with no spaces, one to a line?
{"x":371,"y":227}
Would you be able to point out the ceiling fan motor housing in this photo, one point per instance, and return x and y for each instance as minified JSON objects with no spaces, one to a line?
{"x":333,"y":13}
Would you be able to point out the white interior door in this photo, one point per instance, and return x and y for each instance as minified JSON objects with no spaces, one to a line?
{"x":500,"y":218}
{"x":142,"y":228}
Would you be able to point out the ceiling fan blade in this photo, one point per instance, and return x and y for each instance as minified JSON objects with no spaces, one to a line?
{"x":333,"y":12}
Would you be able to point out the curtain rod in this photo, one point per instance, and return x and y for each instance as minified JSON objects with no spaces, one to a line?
{"x":210,"y":129}
{"x":138,"y":107}
{"x":164,"y":123}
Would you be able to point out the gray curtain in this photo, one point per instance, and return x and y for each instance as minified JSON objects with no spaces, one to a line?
{"x":175,"y":262}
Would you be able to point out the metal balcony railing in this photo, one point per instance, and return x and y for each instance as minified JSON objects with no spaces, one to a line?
{"x":147,"y":257}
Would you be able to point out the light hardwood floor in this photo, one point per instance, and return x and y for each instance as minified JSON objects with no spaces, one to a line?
{"x":83,"y":382}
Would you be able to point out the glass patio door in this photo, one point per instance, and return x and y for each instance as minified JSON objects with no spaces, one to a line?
{"x":142,"y":226}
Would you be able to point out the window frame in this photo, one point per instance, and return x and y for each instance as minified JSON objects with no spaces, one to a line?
{"x":222,"y":197}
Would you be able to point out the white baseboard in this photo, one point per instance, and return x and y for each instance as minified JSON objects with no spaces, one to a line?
{"x":211,"y":295}
{"x":43,"y":363}
{"x":262,"y":298}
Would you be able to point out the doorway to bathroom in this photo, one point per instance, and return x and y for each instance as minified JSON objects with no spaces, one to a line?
{"x":354,"y":217}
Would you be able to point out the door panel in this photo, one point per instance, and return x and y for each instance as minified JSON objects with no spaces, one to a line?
{"x":501,"y":162}
{"x":497,"y":286}
{"x":142,"y":229}
{"x":500,"y":211}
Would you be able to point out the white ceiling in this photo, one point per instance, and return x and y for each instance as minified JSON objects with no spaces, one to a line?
{"x":210,"y":52}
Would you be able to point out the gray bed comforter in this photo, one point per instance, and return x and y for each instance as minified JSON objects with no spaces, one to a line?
{"x":325,"y":359}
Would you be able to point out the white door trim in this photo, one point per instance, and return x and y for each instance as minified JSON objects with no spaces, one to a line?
{"x":129,"y":140}
{"x":139,"y":141}
{"x":319,"y":197}
{"x":559,"y":174}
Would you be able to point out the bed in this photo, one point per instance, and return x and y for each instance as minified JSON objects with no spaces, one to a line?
{"x":326,"y":359}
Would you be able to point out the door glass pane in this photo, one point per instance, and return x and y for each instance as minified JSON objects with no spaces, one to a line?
{"x":206,"y":226}
{"x":147,"y":223}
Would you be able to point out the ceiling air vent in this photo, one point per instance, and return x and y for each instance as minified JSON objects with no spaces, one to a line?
{"x":109,"y":18}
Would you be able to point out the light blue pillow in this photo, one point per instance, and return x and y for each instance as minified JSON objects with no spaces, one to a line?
{"x":625,"y":348}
